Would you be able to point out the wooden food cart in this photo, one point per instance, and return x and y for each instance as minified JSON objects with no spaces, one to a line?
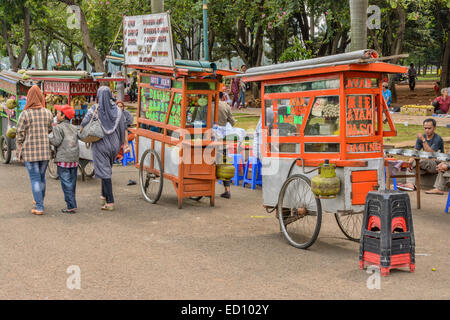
{"x":12,"y":85}
{"x":177,"y":107}
{"x":324,"y":108}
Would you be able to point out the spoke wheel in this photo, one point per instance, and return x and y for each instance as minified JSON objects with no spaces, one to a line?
{"x":52,"y":168}
{"x":299,"y":212}
{"x":151,"y":176}
{"x":350,"y":224}
{"x":87,"y":167}
{"x":5,"y":146}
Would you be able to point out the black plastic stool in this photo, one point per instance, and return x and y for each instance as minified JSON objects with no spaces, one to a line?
{"x":387,"y":235}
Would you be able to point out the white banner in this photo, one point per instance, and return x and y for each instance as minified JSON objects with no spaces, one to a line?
{"x":148,"y":40}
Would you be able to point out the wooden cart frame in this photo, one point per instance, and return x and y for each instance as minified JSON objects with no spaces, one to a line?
{"x":190,"y":180}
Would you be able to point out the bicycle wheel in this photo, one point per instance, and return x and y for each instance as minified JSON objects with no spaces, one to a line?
{"x":151,"y":176}
{"x":87,"y":167}
{"x":52,"y":169}
{"x":350,"y":224}
{"x":301,"y":212}
{"x":5,"y":149}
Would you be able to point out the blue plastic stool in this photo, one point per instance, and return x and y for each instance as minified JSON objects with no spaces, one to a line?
{"x":237,"y":160}
{"x":448,"y":203}
{"x":128,"y":157}
{"x":256,"y":178}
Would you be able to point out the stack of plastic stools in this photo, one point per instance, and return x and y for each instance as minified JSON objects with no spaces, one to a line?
{"x":130,"y":156}
{"x":238,"y":160}
{"x":387,"y":235}
{"x":256,"y":178}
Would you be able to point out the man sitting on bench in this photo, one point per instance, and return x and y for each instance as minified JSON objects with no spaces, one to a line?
{"x":429,"y":142}
{"x":442,"y":179}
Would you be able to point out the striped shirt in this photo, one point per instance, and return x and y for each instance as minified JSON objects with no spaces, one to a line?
{"x":32,"y":134}
{"x":67,"y":164}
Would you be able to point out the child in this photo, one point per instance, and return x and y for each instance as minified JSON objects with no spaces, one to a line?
{"x":64,"y":138}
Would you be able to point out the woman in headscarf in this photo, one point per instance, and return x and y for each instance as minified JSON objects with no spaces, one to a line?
{"x":35,"y":123}
{"x":104,"y":151}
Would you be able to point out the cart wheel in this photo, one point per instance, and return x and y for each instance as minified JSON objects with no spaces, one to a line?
{"x":350,"y":224}
{"x":5,"y":145}
{"x":196,"y":198}
{"x":299,"y":212}
{"x":151,"y":178}
{"x":52,"y":169}
{"x":87,"y":167}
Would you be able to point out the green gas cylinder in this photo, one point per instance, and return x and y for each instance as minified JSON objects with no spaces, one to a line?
{"x":326,"y":184}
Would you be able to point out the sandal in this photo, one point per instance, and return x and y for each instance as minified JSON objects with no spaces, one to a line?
{"x":36,"y":212}
{"x":435,"y":191}
{"x":108,"y":207}
{"x":71,"y":211}
{"x":404,"y":187}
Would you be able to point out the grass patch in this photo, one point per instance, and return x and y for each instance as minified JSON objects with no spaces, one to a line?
{"x":409,"y":133}
{"x":429,"y":77}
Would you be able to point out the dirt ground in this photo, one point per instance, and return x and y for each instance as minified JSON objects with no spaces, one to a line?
{"x":232,"y":251}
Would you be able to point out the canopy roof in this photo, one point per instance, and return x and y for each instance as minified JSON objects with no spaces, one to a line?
{"x":362,"y":60}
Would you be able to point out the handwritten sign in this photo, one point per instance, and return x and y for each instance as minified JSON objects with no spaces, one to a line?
{"x":155,"y":105}
{"x":148,"y":40}
{"x":363,"y":147}
{"x":295,"y":111}
{"x":359,"y":115}
{"x":367,"y":83}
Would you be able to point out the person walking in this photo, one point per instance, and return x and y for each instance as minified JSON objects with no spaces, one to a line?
{"x":235,"y":91}
{"x":105,"y":151}
{"x":412,"y":75}
{"x":33,"y":146}
{"x":387,"y":94}
{"x":64,"y":137}
{"x":129,"y":123}
{"x":243,"y":89}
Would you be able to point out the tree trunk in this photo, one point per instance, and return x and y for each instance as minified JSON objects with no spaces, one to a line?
{"x":358,"y":14}
{"x":87,"y":42}
{"x":36,"y":58}
{"x":397,"y":46}
{"x":16,"y":62}
{"x":445,"y":73}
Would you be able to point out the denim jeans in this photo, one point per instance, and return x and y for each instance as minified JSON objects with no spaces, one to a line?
{"x":68,"y":178}
{"x":36,"y":171}
{"x":242,"y":98}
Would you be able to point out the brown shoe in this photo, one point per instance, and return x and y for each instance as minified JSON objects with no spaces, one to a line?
{"x":435,"y":191}
{"x":36,"y":212}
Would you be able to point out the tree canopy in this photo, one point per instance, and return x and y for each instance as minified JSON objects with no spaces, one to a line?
{"x":252,"y":30}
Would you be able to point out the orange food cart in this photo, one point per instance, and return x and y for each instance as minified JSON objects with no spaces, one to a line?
{"x":324,"y":108}
{"x":177,"y":107}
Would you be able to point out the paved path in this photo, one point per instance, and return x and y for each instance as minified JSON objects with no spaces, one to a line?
{"x":232,"y":251}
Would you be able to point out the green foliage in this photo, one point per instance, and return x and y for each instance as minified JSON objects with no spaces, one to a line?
{"x":296,"y":52}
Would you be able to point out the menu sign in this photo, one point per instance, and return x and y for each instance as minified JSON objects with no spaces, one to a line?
{"x":155,"y":105}
{"x":363,"y":147}
{"x":148,"y":40}
{"x":295,"y":111}
{"x":359,"y":115}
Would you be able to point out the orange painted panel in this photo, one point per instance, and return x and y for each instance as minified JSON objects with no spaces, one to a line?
{"x":364,"y":176}
{"x":360,"y":190}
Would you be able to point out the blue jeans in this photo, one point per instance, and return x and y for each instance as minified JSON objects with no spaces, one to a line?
{"x":242,"y":98}
{"x":68,"y":178}
{"x":36,"y":171}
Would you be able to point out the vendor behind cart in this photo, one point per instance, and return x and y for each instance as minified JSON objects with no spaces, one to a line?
{"x":429,"y":141}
